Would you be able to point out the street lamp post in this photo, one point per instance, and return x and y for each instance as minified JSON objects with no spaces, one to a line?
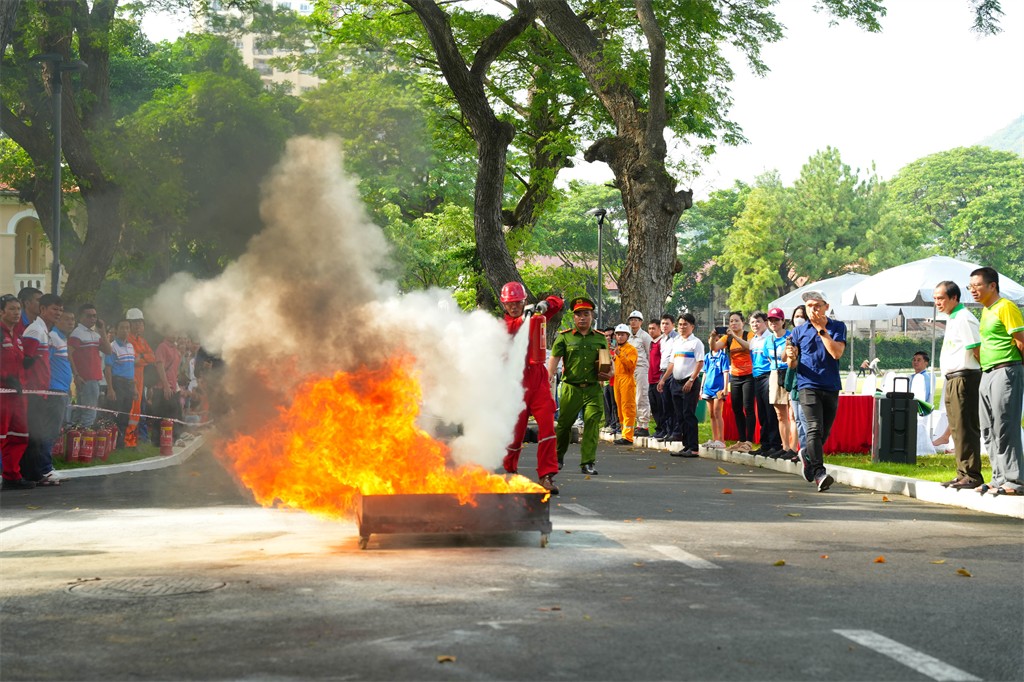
{"x":600,"y":213}
{"x":56,"y":88}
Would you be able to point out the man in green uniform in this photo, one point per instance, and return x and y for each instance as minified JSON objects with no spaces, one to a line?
{"x":578,"y":348}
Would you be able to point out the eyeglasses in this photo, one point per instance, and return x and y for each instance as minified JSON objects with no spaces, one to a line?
{"x":978,"y":286}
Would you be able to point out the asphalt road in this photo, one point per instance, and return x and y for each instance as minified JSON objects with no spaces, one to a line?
{"x":652,"y":572}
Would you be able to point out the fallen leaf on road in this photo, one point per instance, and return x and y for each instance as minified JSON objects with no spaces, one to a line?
{"x":568,"y":532}
{"x":445,"y":659}
{"x":823,"y":556}
{"x":638,"y":564}
{"x":726,"y":491}
{"x":639,"y":519}
{"x":32,"y":506}
{"x":780,"y":562}
{"x":793,"y":514}
{"x":652,"y":467}
{"x":964,"y":572}
{"x":939,"y":561}
{"x":723,"y":471}
{"x":885,"y":499}
{"x":879,"y":559}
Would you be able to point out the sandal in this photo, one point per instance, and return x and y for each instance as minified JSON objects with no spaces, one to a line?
{"x":48,"y":483}
{"x":1001,"y":490}
{"x":982,"y":489}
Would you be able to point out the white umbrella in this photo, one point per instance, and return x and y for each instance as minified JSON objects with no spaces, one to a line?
{"x":833,"y":289}
{"x":913,"y":283}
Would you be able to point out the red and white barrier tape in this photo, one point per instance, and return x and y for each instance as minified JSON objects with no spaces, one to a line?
{"x":103,"y":409}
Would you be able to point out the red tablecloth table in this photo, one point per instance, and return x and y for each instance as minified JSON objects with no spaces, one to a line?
{"x":851,"y":431}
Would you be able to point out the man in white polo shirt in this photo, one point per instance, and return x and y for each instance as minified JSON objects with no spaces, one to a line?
{"x":684,"y":368}
{"x":958,"y":361}
{"x":641,"y":340}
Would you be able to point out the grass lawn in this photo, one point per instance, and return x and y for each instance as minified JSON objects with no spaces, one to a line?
{"x":938,"y":468}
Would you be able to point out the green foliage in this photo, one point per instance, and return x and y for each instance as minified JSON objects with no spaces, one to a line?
{"x":434,"y":250}
{"x":16,"y":169}
{"x":893,"y":352}
{"x":966,"y":202}
{"x":755,"y":249}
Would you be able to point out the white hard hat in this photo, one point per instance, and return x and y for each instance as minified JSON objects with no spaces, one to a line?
{"x":636,"y":314}
{"x":622,"y":328}
{"x":134,"y":314}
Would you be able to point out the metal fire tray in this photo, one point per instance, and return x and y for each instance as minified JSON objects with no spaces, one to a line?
{"x":491,"y":513}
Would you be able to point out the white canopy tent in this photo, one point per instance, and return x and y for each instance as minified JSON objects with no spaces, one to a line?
{"x":912,"y":284}
{"x":834,"y":289}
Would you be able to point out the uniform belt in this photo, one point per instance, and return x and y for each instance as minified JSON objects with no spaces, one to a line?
{"x":962,"y":373}
{"x":1002,"y":365}
{"x":584,"y":384}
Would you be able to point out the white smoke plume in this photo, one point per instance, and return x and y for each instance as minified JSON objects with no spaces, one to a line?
{"x":308,"y":298}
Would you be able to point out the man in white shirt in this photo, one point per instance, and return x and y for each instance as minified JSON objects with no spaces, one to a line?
{"x":685,"y":368}
{"x":668,"y":336}
{"x":641,"y":340}
{"x":958,"y":361}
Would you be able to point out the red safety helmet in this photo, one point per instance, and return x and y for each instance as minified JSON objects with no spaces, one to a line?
{"x":513,"y":291}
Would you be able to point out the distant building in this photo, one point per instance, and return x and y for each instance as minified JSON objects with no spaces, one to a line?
{"x":258,"y":57}
{"x":25,"y":255}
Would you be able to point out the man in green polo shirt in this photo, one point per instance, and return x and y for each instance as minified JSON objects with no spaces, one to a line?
{"x":578,"y":348}
{"x":1002,"y":383}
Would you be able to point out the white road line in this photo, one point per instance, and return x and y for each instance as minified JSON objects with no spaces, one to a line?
{"x":673,"y":552}
{"x":579,"y":509}
{"x":912,"y":658}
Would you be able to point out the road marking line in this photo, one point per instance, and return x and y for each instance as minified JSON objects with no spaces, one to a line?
{"x":912,"y":658}
{"x":579,"y":509}
{"x":683,"y":557}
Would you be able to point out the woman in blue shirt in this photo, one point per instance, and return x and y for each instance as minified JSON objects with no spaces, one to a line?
{"x":760,"y":356}
{"x":778,"y":396}
{"x":716,"y":372}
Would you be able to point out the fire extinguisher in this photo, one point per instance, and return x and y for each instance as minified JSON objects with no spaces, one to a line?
{"x":166,"y":437}
{"x":72,"y":444}
{"x":88,"y":445}
{"x":112,"y":434}
{"x":537,"y":350}
{"x":100,"y":445}
{"x":58,"y":447}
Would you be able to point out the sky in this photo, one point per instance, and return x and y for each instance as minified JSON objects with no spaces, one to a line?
{"x":925,"y":84}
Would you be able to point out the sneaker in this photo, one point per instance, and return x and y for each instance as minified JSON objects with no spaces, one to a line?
{"x":790,"y":455}
{"x":759,"y":451}
{"x":548,"y":483}
{"x":806,"y":466}
{"x":19,"y":484}
{"x":622,"y":441}
{"x":588,"y":469}
{"x":824,"y":482}
{"x":774,"y":454}
{"x":559,"y":465}
{"x":643,"y":432}
{"x":684,"y":453}
{"x":50,"y":479}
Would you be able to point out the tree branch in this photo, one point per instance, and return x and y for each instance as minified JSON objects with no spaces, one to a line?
{"x":495,"y":43}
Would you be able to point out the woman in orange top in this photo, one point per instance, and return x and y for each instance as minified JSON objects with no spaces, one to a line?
{"x":741,"y":380}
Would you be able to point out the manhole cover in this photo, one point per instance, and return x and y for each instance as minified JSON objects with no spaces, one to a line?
{"x":131,"y":588}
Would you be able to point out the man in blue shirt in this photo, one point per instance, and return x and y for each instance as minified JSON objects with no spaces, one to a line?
{"x":920,"y":364}
{"x":814,"y":353}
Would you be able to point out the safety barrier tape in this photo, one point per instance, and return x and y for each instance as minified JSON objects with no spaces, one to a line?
{"x":103,"y":409}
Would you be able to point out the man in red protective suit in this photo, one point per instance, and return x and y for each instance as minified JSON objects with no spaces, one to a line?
{"x":13,"y":421}
{"x":537,"y":390}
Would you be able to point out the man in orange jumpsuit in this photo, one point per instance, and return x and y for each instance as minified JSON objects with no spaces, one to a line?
{"x":144,"y":355}
{"x":537,"y":390}
{"x":625,"y":383}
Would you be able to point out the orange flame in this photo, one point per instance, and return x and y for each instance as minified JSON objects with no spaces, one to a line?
{"x":354,"y":433}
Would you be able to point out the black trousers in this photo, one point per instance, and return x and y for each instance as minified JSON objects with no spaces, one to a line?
{"x":770,"y":438}
{"x":742,"y":391}
{"x":611,"y":415}
{"x":686,"y":413}
{"x":657,"y":408}
{"x":820,"y":409}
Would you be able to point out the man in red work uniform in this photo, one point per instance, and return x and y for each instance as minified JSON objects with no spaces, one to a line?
{"x":537,"y":390}
{"x":13,"y":423}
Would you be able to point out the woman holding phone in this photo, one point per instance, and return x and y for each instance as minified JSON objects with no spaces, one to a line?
{"x":736,"y":343}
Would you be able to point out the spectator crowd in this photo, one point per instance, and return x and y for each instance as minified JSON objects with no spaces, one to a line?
{"x":64,"y":372}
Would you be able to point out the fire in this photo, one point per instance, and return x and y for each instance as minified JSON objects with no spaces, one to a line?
{"x":354,"y":433}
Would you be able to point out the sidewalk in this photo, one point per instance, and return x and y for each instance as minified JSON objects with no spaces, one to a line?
{"x":180,"y":455}
{"x":926,"y":491}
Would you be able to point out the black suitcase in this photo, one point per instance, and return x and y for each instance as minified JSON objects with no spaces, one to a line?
{"x":894,"y":427}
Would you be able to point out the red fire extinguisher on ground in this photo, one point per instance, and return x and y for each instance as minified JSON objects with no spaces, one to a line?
{"x":537,"y":350}
{"x":88,"y":445}
{"x":72,"y":444}
{"x":166,"y":437}
{"x":100,"y":445}
{"x":111,"y":440}
{"x":57,"y":450}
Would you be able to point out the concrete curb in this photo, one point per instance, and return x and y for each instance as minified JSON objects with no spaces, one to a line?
{"x":180,"y":456}
{"x":926,"y":491}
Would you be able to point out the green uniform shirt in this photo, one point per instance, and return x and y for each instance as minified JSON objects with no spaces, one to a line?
{"x":579,"y":355}
{"x":998,"y":322}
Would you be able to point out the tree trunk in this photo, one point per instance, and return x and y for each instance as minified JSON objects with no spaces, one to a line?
{"x":492,"y":135}
{"x":636,"y":154}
